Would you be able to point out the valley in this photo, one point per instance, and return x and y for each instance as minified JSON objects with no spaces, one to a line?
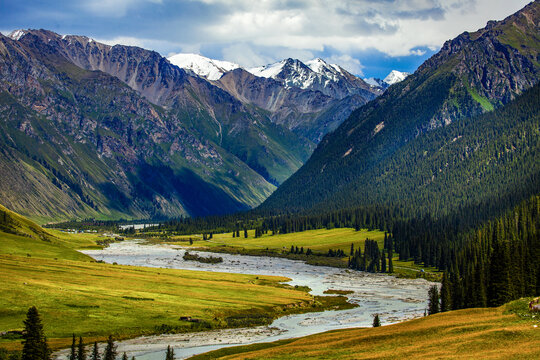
{"x":273,"y":180}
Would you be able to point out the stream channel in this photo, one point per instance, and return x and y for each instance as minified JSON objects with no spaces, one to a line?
{"x":393,"y":299}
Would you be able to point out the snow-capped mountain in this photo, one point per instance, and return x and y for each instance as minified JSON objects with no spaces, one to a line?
{"x":395,"y":77}
{"x":208,"y":68}
{"x":317,"y":74}
{"x":392,"y":78}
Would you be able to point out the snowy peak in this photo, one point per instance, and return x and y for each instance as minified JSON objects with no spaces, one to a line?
{"x":317,"y":75}
{"x":17,"y":34}
{"x":395,"y":77}
{"x":203,"y":66}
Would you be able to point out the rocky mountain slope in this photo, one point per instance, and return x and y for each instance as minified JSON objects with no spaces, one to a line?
{"x":82,"y":143}
{"x":472,"y":74}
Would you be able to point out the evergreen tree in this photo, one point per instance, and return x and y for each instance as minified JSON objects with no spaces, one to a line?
{"x":445,"y":293}
{"x":81,"y":352}
{"x":95,"y":352}
{"x":499,"y":282}
{"x":34,"y":342}
{"x":110,"y":349}
{"x":245,"y":233}
{"x":124,"y":357}
{"x":73,"y":353}
{"x":376,"y":321}
{"x":170,"y":353}
{"x":383,"y":262}
{"x":390,"y":262}
{"x":433,"y":305}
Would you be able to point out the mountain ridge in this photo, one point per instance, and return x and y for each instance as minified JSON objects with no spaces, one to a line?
{"x":472,"y":74}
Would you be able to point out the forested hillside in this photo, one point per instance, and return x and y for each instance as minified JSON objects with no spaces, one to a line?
{"x":417,"y":146}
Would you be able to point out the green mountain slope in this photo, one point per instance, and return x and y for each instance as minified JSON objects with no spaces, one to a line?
{"x":413,"y":148}
{"x":82,"y":143}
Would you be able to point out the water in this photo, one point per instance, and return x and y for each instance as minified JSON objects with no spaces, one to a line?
{"x":393,"y":299}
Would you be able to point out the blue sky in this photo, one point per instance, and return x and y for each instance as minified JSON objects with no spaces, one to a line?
{"x":367,"y":37}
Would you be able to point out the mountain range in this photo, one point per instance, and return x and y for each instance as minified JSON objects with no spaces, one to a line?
{"x":424,"y":145}
{"x":121,"y":131}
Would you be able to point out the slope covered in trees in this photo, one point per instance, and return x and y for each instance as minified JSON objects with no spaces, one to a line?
{"x":417,"y":141}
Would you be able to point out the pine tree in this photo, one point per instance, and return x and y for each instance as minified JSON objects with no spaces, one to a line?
{"x":124,"y":357}
{"x":376,"y":321}
{"x":245,"y":233}
{"x":390,"y":262}
{"x":95,"y":352}
{"x":170,"y":353}
{"x":81,"y":353}
{"x":73,"y":353}
{"x":110,"y":349}
{"x":433,"y":305}
{"x":383,"y":262}
{"x":34,"y":341}
{"x":446,"y":297}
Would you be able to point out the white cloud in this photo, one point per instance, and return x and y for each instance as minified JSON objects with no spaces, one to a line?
{"x":244,"y":55}
{"x":393,"y":27}
{"x":347,"y":62}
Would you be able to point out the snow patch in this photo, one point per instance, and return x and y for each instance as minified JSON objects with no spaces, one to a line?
{"x":268,"y":71}
{"x":203,"y":66}
{"x":347,"y":152}
{"x":17,"y":34}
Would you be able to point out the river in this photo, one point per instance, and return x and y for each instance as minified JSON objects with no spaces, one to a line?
{"x":393,"y":299}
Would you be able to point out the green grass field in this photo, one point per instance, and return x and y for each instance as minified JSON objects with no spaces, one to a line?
{"x":75,"y":294}
{"x":319,"y":241}
{"x":507,"y":332}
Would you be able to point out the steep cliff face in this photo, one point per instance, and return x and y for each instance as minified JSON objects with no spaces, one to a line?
{"x":83,"y":143}
{"x":472,"y":74}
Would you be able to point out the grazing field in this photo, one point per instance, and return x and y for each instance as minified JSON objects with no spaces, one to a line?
{"x":317,"y":240}
{"x":493,"y":333}
{"x":75,"y":294}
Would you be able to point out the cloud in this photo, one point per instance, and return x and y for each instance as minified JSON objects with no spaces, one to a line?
{"x":249,"y":32}
{"x":347,"y":62}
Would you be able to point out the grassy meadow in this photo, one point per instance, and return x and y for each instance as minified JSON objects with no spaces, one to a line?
{"x":73,"y":293}
{"x":319,"y":241}
{"x":507,"y":332}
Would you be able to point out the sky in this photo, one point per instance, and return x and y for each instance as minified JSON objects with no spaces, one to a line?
{"x":367,"y":37}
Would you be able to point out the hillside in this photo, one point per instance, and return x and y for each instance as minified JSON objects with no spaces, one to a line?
{"x":76,"y":294}
{"x":419,"y":146}
{"x":82,"y":143}
{"x":507,"y":332}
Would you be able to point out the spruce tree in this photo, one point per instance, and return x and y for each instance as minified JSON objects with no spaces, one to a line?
{"x":73,"y":353}
{"x":95,"y":352}
{"x":446,"y":297}
{"x":170,"y":353}
{"x":383,"y":262}
{"x":433,"y":305}
{"x":376,"y":321}
{"x":110,"y":349}
{"x":34,"y":341}
{"x":124,"y":357}
{"x":81,"y":352}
